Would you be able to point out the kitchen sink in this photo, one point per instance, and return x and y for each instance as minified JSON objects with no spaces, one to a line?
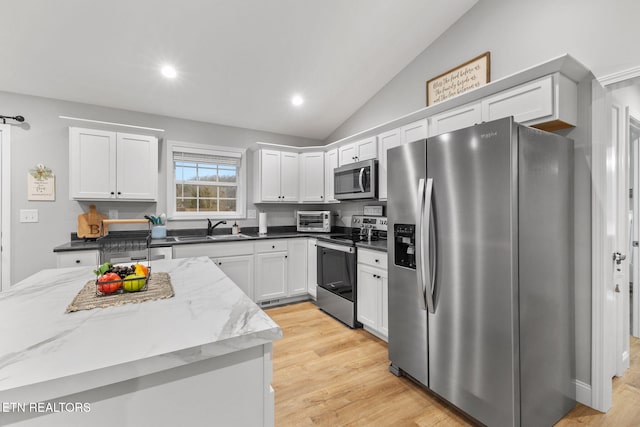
{"x":215,"y":237}
{"x":228,"y":237}
{"x":190,"y":238}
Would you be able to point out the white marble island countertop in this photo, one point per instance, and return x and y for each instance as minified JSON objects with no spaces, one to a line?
{"x":47,"y":353}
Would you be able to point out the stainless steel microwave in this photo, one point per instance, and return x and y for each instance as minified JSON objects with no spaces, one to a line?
{"x":314,"y":221}
{"x":356,"y":181}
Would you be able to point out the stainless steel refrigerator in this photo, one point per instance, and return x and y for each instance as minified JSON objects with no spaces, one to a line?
{"x":481,"y":271}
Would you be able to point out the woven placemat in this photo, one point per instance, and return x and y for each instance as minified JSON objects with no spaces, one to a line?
{"x":158,"y":287}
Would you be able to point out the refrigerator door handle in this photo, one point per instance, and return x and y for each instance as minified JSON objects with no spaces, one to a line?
{"x":429,"y":257}
{"x":360,"y":179}
{"x":420,"y":276}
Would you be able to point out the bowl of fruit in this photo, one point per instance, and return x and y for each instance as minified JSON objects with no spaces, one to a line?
{"x":120,"y":278}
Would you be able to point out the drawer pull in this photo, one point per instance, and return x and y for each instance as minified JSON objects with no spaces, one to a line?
{"x":77,"y":261}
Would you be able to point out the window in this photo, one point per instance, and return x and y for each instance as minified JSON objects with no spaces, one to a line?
{"x":205,"y":181}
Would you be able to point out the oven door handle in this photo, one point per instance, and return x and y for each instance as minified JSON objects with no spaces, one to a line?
{"x":336,"y":247}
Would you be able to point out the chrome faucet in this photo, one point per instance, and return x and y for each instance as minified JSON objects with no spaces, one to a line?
{"x":211,"y":227}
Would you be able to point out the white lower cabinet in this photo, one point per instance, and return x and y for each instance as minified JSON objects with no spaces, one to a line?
{"x":271,"y":276}
{"x":239,"y":269}
{"x":266,"y":270}
{"x":372,"y":301}
{"x":297,"y":267}
{"x":77,"y":258}
{"x":312,"y":267}
{"x":235,"y":259}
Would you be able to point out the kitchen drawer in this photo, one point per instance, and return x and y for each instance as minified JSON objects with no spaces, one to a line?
{"x":213,"y":250}
{"x":373,"y":258}
{"x":77,"y":259}
{"x":271,"y":246}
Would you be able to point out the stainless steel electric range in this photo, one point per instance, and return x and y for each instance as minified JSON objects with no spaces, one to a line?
{"x":337,"y":290}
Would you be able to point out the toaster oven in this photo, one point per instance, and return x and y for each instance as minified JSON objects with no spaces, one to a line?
{"x":314,"y":221}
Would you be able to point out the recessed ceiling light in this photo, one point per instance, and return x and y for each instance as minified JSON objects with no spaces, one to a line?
{"x":169,"y":72}
{"x":297,"y":100}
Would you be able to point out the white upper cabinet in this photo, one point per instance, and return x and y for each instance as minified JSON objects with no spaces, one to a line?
{"x":386,"y":141}
{"x":311,"y":177}
{"x":409,"y":133}
{"x":358,"y":151}
{"x":110,"y":165}
{"x":276,"y":176}
{"x":289,"y":176}
{"x":137,"y":167}
{"x":414,"y":131}
{"x":549,"y":103}
{"x":330,"y":163}
{"x":457,"y":118}
{"x":347,"y":154}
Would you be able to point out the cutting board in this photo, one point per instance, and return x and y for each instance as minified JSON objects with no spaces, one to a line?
{"x":89,"y":223}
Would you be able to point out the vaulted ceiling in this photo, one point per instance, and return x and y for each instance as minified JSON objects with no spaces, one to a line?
{"x":239,"y":62}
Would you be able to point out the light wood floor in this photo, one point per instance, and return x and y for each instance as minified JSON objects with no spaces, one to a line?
{"x":326,"y":374}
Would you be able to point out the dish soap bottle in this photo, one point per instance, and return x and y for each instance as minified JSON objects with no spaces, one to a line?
{"x":235,"y":229}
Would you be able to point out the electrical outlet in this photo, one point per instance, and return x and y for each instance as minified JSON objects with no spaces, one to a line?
{"x":28,"y":215}
{"x":251,"y":214}
{"x":113,"y":213}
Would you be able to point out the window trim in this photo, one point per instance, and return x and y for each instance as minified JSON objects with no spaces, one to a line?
{"x":241,"y":208}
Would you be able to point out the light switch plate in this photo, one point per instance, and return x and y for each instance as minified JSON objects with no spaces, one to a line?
{"x":28,"y":215}
{"x":251,"y":214}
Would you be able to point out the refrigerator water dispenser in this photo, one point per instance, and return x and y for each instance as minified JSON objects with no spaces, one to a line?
{"x":404,"y":241}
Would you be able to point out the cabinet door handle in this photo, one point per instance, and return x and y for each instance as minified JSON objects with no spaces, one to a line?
{"x":119,"y":193}
{"x":286,"y":256}
{"x":273,"y":247}
{"x":112,"y":193}
{"x":77,"y":261}
{"x":377,"y":260}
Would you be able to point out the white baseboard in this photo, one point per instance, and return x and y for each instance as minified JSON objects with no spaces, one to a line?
{"x":583,"y":393}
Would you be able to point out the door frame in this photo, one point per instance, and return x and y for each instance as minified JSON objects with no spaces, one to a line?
{"x":634,"y":146}
{"x":602,"y":169}
{"x":602,"y":299}
{"x":5,"y":206}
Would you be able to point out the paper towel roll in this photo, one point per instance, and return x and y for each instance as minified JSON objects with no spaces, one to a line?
{"x":262,"y":223}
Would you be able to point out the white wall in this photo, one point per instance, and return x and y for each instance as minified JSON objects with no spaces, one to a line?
{"x":43,"y":138}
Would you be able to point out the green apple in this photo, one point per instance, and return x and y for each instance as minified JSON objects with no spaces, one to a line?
{"x":133,"y":282}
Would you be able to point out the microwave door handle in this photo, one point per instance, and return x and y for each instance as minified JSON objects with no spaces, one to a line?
{"x":420,"y":276}
{"x":361,"y":180}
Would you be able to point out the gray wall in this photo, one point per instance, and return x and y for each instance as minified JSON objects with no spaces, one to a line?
{"x":520,"y":34}
{"x":43,"y":138}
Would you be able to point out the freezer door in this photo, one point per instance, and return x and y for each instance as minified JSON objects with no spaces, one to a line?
{"x":472,"y":332}
{"x":407,"y":318}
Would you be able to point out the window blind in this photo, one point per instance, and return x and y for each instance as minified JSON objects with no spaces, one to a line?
{"x":231,"y":159}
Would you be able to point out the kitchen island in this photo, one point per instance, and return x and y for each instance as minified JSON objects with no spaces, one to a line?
{"x":202,"y":357}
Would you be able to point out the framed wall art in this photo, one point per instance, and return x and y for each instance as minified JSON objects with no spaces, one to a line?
{"x":468,"y":76}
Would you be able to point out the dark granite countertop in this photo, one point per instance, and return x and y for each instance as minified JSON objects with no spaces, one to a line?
{"x":285,"y":232}
{"x":376,"y":245}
